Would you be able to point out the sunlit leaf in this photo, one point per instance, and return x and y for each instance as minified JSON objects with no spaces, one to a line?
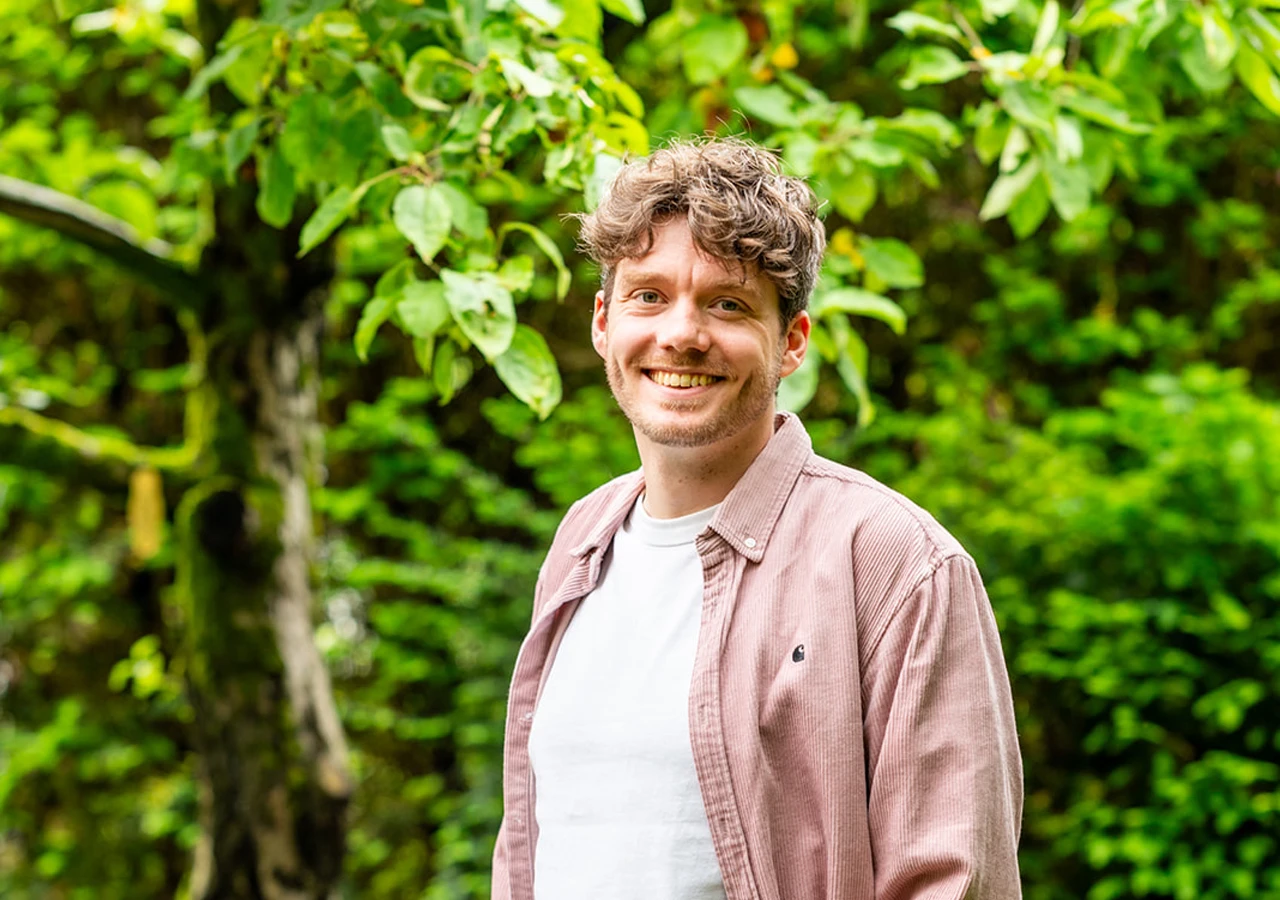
{"x":892,"y":261}
{"x":862,"y":303}
{"x":422,"y":309}
{"x":529,"y":371}
{"x":483,"y":309}
{"x":375,"y":312}
{"x":332,"y":212}
{"x":712,"y":47}
{"x":933,"y":65}
{"x":423,"y":215}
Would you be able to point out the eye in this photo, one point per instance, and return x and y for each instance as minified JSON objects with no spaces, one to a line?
{"x":728,"y":304}
{"x":648,"y":297}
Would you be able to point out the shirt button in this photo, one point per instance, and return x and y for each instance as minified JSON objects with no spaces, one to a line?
{"x":750,"y":542}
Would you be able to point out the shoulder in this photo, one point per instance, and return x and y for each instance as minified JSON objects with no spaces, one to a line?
{"x":866,"y":509}
{"x":585,"y":514}
{"x":580,"y":523}
{"x":890,"y":546}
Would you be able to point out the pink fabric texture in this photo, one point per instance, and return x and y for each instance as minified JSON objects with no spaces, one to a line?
{"x":850,"y":712}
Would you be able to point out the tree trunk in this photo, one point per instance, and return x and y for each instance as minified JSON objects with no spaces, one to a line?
{"x":274,"y":777}
{"x":273,"y":758}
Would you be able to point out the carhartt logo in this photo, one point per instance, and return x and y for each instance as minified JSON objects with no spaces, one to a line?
{"x":797,"y":655}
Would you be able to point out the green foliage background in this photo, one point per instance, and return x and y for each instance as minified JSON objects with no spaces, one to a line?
{"x":1049,"y":315}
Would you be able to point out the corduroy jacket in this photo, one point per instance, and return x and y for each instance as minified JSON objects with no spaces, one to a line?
{"x":850,"y":712}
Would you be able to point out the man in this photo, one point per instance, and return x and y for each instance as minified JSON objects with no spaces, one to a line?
{"x":752,"y":672}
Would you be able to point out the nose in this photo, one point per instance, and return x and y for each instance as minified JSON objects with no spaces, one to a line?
{"x":683,"y":327}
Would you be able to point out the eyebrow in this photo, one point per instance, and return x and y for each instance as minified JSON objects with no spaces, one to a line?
{"x":654,"y":276}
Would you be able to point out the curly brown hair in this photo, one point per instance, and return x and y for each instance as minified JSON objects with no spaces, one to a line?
{"x":740,"y":207}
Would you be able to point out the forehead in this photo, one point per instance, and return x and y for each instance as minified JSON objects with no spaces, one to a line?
{"x":676,"y":260}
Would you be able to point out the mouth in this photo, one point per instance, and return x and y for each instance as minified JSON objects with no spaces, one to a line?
{"x":680,"y":379}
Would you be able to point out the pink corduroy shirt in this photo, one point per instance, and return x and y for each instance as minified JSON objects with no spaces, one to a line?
{"x":850,"y":712}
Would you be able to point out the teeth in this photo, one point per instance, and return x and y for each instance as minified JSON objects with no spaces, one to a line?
{"x":672,"y":379}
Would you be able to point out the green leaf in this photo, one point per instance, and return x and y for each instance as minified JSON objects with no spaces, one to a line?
{"x":547,"y":246}
{"x":516,"y":273}
{"x":582,"y":21}
{"x":1006,"y":189}
{"x":1029,"y":105}
{"x":397,"y":141}
{"x":1068,"y":186}
{"x":913,"y":24}
{"x":892,"y":261}
{"x":424,"y":352}
{"x":276,"y":191}
{"x":606,"y":165}
{"x":1219,"y":37}
{"x":995,"y":9}
{"x":308,"y":128}
{"x":385,"y":88}
{"x":851,"y":364}
{"x":923,"y":123}
{"x":1047,"y":29}
{"x":248,"y":74}
{"x":422,"y":309}
{"x":546,"y":11}
{"x":798,"y":388}
{"x":862,"y":303}
{"x":520,"y":76}
{"x":1015,"y":149}
{"x":469,"y":217}
{"x":853,"y":194}
{"x":483,"y":309}
{"x":393,"y":281}
{"x":712,"y":48}
{"x":239,"y":145}
{"x":1258,"y":77}
{"x":529,"y":371}
{"x":771,"y":104}
{"x":423,"y":216}
{"x":332,"y":212}
{"x":212,"y":72}
{"x":376,"y":311}
{"x":1099,"y":110}
{"x":450,"y":371}
{"x":630,"y":10}
{"x":1208,"y":77}
{"x":1262,"y":33}
{"x":991,"y":132}
{"x":932,"y":65}
{"x":1029,"y":209}
{"x":433,"y":78}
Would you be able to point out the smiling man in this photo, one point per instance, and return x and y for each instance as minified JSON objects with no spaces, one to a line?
{"x":752,"y":672}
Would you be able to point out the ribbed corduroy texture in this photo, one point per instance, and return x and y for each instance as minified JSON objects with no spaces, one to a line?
{"x":850,"y":712}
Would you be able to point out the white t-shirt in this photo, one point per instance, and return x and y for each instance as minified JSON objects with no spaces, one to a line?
{"x":619,"y":811}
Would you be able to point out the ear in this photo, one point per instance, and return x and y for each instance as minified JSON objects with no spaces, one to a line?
{"x":599,"y":325}
{"x":795,"y":343}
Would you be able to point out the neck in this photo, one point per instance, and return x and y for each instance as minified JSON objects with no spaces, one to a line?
{"x":679,"y":481}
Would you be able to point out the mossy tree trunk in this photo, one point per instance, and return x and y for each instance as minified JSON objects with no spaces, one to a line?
{"x":274,"y":776}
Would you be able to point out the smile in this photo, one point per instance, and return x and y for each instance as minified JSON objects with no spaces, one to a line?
{"x":680,"y":379}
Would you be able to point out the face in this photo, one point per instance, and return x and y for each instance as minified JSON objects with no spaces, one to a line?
{"x":693,"y":350}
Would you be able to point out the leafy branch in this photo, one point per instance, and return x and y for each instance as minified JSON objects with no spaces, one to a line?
{"x":150,"y":259}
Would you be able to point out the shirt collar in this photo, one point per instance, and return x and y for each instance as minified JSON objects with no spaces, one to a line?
{"x":748,"y":514}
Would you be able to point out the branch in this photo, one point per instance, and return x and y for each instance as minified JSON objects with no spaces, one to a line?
{"x":114,"y":238}
{"x":113,"y":448}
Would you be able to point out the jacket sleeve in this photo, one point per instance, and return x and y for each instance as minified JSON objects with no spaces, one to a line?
{"x":944,"y":772}
{"x":500,"y":883}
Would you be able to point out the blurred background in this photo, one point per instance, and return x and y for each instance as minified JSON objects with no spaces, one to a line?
{"x":295,"y":385}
